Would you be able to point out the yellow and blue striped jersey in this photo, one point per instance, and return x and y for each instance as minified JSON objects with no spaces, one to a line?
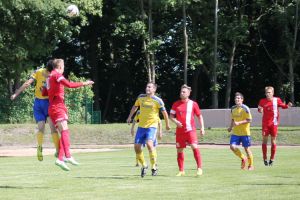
{"x":38,"y":76}
{"x":240,"y":114}
{"x":149,"y":110}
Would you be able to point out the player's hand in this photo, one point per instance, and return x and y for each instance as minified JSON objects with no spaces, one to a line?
{"x":13,"y":97}
{"x":229,"y":129}
{"x":178,"y":124}
{"x":88,"y":83}
{"x":290,"y":104}
{"x":128,"y":120}
{"x":132,"y":133}
{"x":260,"y":109}
{"x":168,"y":127}
{"x":202,"y":132}
{"x":160,"y":135}
{"x":236,"y":123}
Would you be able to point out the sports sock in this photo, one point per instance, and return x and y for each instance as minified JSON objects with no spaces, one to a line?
{"x":141,"y":158}
{"x":250,"y":160}
{"x":61,"y":151}
{"x":238,"y":153}
{"x":153,"y":158}
{"x":197,"y":157}
{"x":180,"y":161}
{"x":40,"y":138}
{"x":65,"y":138}
{"x":273,"y":151}
{"x":55,"y":139}
{"x":264,"y":151}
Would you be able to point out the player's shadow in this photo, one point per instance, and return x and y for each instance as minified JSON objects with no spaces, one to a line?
{"x":106,"y":177}
{"x":270,"y":184}
{"x":20,"y":188}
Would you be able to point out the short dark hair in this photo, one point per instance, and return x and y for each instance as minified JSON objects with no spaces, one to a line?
{"x":239,"y":94}
{"x":49,"y":65}
{"x":154,"y":84}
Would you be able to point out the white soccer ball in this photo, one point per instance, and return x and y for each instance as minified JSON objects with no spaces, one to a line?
{"x":72,"y":11}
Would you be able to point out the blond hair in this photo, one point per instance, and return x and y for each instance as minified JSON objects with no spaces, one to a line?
{"x":269,"y":88}
{"x":56,"y":62}
{"x":185,"y":86}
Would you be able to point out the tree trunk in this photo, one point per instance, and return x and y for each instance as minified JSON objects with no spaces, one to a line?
{"x":230,"y":67}
{"x":185,"y":42}
{"x":215,"y":87}
{"x":150,"y":24}
{"x":147,"y":56}
{"x":196,"y":75}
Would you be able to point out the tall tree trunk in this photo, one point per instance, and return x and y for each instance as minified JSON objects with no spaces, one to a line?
{"x":292,"y":55}
{"x":152,"y":57}
{"x":214,"y":81}
{"x":147,"y":56}
{"x":196,"y":75}
{"x":111,"y":84}
{"x":229,"y":75}
{"x":185,"y":42}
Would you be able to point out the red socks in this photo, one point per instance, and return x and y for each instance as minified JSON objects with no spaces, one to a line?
{"x":64,"y":145}
{"x":197,"y":157}
{"x":264,"y":150}
{"x":180,"y":161}
{"x":273,"y":151}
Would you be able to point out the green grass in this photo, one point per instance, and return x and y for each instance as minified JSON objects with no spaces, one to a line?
{"x":23,"y":134}
{"x":112,"y":175}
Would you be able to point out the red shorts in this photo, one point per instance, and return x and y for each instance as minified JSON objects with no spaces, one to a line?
{"x":58,"y":112}
{"x":187,"y":138}
{"x":269,"y":129}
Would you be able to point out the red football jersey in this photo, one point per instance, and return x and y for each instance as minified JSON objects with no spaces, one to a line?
{"x":185,"y":112}
{"x":270,"y":110}
{"x":55,"y":87}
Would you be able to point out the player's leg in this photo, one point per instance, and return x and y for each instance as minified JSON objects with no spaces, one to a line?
{"x":138,"y":141}
{"x":40,"y":118}
{"x":246,"y":142}
{"x":234,"y":142}
{"x":40,"y":139}
{"x":264,"y":146}
{"x":150,"y":138}
{"x":273,"y":150}
{"x":180,"y":145}
{"x":193,"y":141}
{"x":55,"y":136}
{"x":180,"y":161}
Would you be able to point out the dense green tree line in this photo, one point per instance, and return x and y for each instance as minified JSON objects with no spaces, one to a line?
{"x":122,"y":44}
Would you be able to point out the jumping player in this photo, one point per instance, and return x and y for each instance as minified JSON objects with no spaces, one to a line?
{"x":134,"y":122}
{"x":149,"y":105}
{"x":182,"y":114}
{"x":58,"y":111}
{"x":40,"y":108}
{"x":270,"y":120}
{"x":240,"y":127}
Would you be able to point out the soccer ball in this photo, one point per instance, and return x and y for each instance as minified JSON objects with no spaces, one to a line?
{"x":72,"y":11}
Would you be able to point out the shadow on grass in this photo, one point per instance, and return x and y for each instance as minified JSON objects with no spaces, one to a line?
{"x":117,"y":177}
{"x":20,"y":188}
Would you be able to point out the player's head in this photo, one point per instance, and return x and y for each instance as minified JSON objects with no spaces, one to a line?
{"x":151,"y":88}
{"x":185,"y":92}
{"x":238,"y":98}
{"x":59,"y":65}
{"x":49,"y":65}
{"x":269,"y":92}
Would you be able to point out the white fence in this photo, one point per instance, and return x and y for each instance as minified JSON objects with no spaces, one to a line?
{"x":221,"y":117}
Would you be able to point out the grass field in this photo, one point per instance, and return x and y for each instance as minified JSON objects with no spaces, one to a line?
{"x":23,"y":134}
{"x":112,"y":175}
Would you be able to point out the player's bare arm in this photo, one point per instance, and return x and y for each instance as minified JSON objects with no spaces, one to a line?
{"x":166,"y":117}
{"x":231,"y":126}
{"x":201,"y":122}
{"x":242,"y":122}
{"x":132,"y":111}
{"x":132,"y":128}
{"x":260,"y":109}
{"x":173,"y":119}
{"x":22,"y":88}
{"x":159,"y":130}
